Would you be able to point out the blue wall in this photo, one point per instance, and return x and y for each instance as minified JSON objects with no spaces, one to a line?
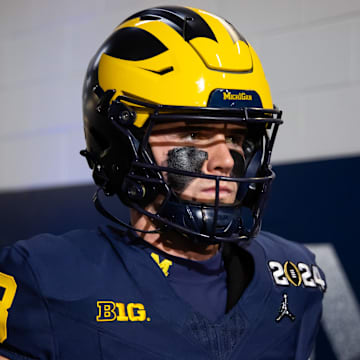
{"x":318,"y":202}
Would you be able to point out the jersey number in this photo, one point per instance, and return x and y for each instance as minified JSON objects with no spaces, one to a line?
{"x":8,"y":287}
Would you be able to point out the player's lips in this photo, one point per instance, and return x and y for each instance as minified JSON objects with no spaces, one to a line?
{"x":222,"y":190}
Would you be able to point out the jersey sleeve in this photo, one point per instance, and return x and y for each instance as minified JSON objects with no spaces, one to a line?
{"x":25,"y":326}
{"x":310,"y":322}
{"x":308,"y":331}
{"x":307,"y":289}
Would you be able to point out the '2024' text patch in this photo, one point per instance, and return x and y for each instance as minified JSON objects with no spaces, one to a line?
{"x":288,"y":274}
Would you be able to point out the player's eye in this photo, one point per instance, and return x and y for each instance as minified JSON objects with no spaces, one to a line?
{"x":235,"y":139}
{"x":193,"y":135}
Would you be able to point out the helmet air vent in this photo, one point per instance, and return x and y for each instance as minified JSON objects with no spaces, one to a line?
{"x":133,"y":44}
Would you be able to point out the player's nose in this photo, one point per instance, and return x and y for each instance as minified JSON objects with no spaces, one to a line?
{"x":220,"y":161}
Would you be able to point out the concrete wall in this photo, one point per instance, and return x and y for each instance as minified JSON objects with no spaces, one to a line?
{"x":310,"y":51}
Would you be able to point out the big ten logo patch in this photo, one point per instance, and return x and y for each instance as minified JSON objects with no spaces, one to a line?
{"x":290,"y":274}
{"x":117,"y":311}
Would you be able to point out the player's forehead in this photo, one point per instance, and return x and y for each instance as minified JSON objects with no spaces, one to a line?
{"x":213,"y":126}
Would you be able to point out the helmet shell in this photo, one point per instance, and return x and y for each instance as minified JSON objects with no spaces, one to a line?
{"x":163,"y":56}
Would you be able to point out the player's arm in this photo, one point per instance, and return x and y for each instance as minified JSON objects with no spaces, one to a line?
{"x":25,"y":331}
{"x":3,"y":358}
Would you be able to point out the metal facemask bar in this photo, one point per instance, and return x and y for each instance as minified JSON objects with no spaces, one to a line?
{"x":143,"y":165}
{"x":212,"y":209}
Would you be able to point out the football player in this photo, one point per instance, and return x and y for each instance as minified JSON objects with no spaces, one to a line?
{"x":180,"y":126}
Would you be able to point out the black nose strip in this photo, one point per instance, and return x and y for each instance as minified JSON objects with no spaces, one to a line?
{"x":185,"y":158}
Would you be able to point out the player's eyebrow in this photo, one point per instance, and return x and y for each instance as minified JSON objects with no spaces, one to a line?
{"x":187,"y":128}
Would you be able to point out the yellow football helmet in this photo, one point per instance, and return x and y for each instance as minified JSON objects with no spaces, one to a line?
{"x":171,"y":64}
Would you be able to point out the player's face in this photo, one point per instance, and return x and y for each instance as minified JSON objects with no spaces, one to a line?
{"x":209,"y":148}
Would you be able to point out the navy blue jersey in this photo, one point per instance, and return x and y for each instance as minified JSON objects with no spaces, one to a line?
{"x":202,"y":284}
{"x":97,"y":295}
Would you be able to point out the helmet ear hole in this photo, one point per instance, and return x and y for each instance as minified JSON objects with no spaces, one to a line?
{"x":99,"y":141}
{"x":101,"y":179}
{"x":99,"y":174}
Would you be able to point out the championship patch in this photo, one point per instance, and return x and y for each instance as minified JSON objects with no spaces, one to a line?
{"x":292,"y":273}
{"x":226,"y":98}
{"x":288,"y":274}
